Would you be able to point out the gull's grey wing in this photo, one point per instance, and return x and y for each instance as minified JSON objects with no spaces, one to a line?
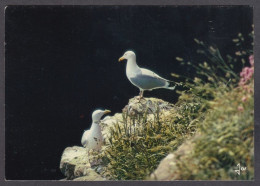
{"x":152,"y":74}
{"x":148,"y":82}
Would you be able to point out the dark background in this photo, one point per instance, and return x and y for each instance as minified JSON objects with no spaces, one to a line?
{"x":62,"y":63}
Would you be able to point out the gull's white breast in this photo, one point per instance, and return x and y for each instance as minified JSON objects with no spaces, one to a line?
{"x":93,"y":138}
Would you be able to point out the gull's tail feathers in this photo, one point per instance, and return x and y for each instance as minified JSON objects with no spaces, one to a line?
{"x":172,"y":85}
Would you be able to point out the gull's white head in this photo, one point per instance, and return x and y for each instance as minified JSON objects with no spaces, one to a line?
{"x":128,"y":55}
{"x":97,"y":114}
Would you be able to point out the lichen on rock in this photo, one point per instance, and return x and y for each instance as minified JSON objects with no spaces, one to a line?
{"x":146,"y":105}
{"x":74,"y":162}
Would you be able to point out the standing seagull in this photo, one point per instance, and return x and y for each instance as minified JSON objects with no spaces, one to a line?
{"x":93,"y":139}
{"x":143,"y":78}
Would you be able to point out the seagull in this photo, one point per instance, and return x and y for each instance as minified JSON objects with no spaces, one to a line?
{"x":143,"y":78}
{"x":93,"y":139}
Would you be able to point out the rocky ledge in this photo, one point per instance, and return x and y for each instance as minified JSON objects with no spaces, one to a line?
{"x":75,"y":163}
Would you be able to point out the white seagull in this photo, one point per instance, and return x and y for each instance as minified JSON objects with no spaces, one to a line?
{"x":143,"y":78}
{"x":93,"y":139}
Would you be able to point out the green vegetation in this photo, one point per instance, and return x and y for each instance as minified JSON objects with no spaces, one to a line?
{"x":226,"y":139}
{"x":226,"y":132}
{"x":217,"y":104}
{"x":134,"y":152}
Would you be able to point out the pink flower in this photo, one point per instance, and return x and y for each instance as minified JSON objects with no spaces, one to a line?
{"x":246,"y":70}
{"x":240,"y":108}
{"x":251,"y":71}
{"x":251,"y":60}
{"x":247,"y":73}
{"x":244,"y":98}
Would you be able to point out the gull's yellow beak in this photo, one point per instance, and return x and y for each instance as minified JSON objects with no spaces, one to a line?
{"x":107,"y":111}
{"x":121,"y":59}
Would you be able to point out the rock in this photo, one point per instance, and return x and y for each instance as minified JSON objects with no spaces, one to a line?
{"x":74,"y":162}
{"x":91,"y":175}
{"x":164,"y":170}
{"x":167,"y":169}
{"x":75,"y":165}
{"x":149,"y":105}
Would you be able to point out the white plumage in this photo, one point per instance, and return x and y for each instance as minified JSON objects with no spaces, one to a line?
{"x":143,"y":78}
{"x":92,"y":138}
